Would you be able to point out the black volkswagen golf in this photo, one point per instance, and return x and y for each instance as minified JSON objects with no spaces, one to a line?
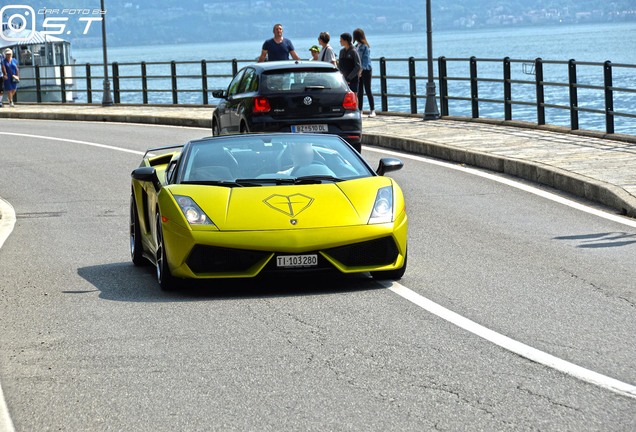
{"x":289,"y":96}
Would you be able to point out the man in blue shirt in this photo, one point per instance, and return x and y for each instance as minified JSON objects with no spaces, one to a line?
{"x":278,"y":48}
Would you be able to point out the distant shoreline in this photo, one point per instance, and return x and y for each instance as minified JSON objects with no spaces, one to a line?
{"x":95,"y":43}
{"x":595,"y":42}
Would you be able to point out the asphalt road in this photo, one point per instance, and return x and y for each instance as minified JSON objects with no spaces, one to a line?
{"x":89,"y":343}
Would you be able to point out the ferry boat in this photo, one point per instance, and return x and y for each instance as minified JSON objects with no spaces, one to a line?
{"x":50,"y":54}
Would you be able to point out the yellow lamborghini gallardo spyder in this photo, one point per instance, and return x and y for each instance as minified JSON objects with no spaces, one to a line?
{"x":241,"y":205}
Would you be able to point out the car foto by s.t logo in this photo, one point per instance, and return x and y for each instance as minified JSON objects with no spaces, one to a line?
{"x":19,"y":21}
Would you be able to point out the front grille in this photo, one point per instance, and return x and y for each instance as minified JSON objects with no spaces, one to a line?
{"x":211,"y":259}
{"x":382,"y":251}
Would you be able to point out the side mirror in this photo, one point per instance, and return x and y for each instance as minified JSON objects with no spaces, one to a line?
{"x":388,"y":165}
{"x":219,"y":94}
{"x":147,"y":174}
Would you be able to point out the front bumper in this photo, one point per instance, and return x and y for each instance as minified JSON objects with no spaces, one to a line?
{"x":216,"y":254}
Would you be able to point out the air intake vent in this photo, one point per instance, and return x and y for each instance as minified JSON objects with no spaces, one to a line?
{"x":382,"y":251}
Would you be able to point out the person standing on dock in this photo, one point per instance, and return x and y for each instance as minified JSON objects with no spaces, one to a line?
{"x":3,"y":73}
{"x":364,"y":50}
{"x":349,"y":62}
{"x":315,"y":52}
{"x":327,"y":54}
{"x":278,"y":47}
{"x":11,"y":74}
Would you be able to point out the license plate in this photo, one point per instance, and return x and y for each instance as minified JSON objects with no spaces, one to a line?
{"x":310,"y":128}
{"x":294,"y":261}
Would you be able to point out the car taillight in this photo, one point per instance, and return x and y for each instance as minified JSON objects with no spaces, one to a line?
{"x":261,"y":105}
{"x":350,"y":101}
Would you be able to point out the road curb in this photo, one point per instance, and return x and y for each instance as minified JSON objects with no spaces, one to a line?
{"x":607,"y":194}
{"x":111,"y":117}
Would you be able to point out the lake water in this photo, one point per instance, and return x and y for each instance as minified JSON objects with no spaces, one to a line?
{"x":584,"y":43}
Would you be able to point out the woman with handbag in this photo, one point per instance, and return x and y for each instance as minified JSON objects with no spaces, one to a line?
{"x":12,"y":75}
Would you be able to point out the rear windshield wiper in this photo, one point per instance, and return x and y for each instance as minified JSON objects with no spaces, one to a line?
{"x":315,"y":179}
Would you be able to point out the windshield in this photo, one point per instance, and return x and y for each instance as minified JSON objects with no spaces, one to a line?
{"x":254,"y":160}
{"x":291,"y":81}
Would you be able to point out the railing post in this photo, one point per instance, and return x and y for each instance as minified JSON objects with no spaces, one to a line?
{"x":474,"y":87}
{"x":507,"y":89}
{"x":63,"y":83}
{"x":609,"y":98}
{"x":173,"y":75}
{"x":412,"y":85}
{"x":234,"y":67}
{"x":116,"y":81}
{"x":443,"y":86}
{"x":574,"y":95}
{"x":38,"y":85}
{"x":383,"y":87}
{"x":538,"y":68}
{"x":144,"y":83}
{"x":89,"y":84}
{"x":204,"y":81}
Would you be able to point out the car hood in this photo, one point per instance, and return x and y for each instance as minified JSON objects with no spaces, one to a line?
{"x":345,"y":203}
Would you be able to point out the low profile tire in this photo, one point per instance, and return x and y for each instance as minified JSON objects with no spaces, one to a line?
{"x":166,"y":281}
{"x":391,"y":274}
{"x":215,"y":127}
{"x":136,"y":249}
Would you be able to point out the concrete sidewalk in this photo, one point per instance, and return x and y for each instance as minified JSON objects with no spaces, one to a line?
{"x":586,"y":164}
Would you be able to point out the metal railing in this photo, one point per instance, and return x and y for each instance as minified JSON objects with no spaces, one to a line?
{"x":540,"y":91}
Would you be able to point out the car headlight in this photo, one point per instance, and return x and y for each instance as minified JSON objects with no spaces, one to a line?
{"x":383,"y":206}
{"x":192,"y":212}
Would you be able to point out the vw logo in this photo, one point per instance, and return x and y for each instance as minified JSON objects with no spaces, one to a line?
{"x":308,"y":100}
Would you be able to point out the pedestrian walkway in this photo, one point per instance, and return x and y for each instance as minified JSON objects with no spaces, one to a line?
{"x":584,"y":164}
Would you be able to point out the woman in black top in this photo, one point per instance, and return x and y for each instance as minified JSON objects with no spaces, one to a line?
{"x":349,"y":62}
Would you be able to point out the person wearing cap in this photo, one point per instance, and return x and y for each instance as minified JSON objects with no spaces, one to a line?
{"x":315,"y":52}
{"x":11,"y":74}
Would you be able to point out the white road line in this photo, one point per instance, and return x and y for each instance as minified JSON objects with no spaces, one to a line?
{"x":515,"y":184}
{"x":7,"y":222}
{"x":496,"y":338}
{"x":76,"y":142}
{"x":512,"y":345}
{"x":6,"y":425}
